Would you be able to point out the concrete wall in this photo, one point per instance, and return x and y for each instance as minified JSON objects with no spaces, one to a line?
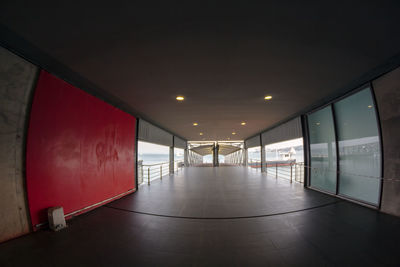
{"x":17,"y":78}
{"x":387,"y":91}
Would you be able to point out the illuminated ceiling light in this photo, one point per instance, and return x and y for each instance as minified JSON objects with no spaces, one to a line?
{"x":233,"y":133}
{"x":243,"y":123}
{"x":370,"y":106}
{"x":229,"y":138}
{"x":268,"y":97}
{"x":201,"y":133}
{"x":318,"y":123}
{"x":195,"y":124}
{"x":180,"y":98}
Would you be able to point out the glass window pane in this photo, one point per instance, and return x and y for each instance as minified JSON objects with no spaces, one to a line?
{"x":254,"y":157}
{"x":322,"y":150}
{"x":359,"y":147}
{"x":285,"y":151}
{"x":151,"y":153}
{"x":289,"y":155}
{"x":179,"y":154}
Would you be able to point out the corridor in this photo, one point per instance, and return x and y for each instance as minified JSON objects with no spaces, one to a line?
{"x":225,"y":216}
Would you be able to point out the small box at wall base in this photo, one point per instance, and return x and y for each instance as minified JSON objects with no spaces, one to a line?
{"x":56,"y":218}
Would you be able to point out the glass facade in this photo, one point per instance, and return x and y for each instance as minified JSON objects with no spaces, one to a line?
{"x":359,"y":147}
{"x":151,"y":153}
{"x":179,"y":155}
{"x":254,"y":157}
{"x":290,"y":150}
{"x":286,"y":159}
{"x":354,"y":123}
{"x":322,"y":150}
{"x":208,"y":158}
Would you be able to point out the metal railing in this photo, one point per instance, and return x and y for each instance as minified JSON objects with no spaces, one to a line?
{"x":254,"y":163}
{"x":293,"y":171}
{"x":194,"y":158}
{"x":150,"y":172}
{"x":235,"y":158}
{"x":178,"y":164}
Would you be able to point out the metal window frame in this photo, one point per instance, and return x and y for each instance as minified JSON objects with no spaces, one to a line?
{"x":336,"y":147}
{"x":306,"y":151}
{"x":309,"y":151}
{"x":331,"y":103}
{"x":379,"y":125}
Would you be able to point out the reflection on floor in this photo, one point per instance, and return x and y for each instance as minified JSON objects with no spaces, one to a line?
{"x":325,"y":232}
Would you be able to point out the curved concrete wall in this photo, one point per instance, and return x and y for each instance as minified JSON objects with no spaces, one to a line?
{"x":17,"y":78}
{"x":387,"y":92}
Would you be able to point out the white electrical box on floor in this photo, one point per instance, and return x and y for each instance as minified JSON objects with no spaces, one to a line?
{"x":56,"y":218}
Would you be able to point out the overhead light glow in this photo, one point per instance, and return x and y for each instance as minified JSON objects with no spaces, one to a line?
{"x":318,"y":123}
{"x":370,"y":106}
{"x":268,"y":97}
{"x":195,"y":124}
{"x":243,"y":123}
{"x":201,"y":133}
{"x":233,"y":133}
{"x":180,"y":98}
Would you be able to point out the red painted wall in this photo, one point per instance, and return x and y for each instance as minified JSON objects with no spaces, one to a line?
{"x":80,"y":150}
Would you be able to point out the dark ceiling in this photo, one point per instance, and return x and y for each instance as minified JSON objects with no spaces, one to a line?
{"x":224,"y":57}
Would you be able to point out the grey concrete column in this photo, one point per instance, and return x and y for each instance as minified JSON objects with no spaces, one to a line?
{"x":245,"y":155}
{"x":213,"y":155}
{"x":185,"y":157}
{"x":216,"y":155}
{"x":263,"y":161}
{"x":262,"y":151}
{"x":140,"y":171}
{"x":171,"y":160}
{"x":17,"y":82}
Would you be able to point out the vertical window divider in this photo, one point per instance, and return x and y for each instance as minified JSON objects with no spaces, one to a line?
{"x":306,"y":150}
{"x":379,"y":125}
{"x":337,"y":148}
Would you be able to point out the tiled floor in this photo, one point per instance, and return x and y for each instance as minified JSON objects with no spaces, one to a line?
{"x":327,"y":232}
{"x":221,"y":192}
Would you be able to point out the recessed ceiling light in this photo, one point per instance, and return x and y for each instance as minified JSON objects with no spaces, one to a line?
{"x":195,"y":124}
{"x":370,"y":106}
{"x":243,"y":123}
{"x":268,"y":97}
{"x":229,"y":138}
{"x":180,"y":98}
{"x":233,"y":133}
{"x":201,"y":133}
{"x":318,"y":123}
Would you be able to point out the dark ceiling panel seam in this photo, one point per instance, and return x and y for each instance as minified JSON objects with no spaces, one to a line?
{"x":358,"y":84}
{"x":26,"y":50}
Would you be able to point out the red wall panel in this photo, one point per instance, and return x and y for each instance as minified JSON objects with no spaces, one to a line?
{"x":80,"y":150}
